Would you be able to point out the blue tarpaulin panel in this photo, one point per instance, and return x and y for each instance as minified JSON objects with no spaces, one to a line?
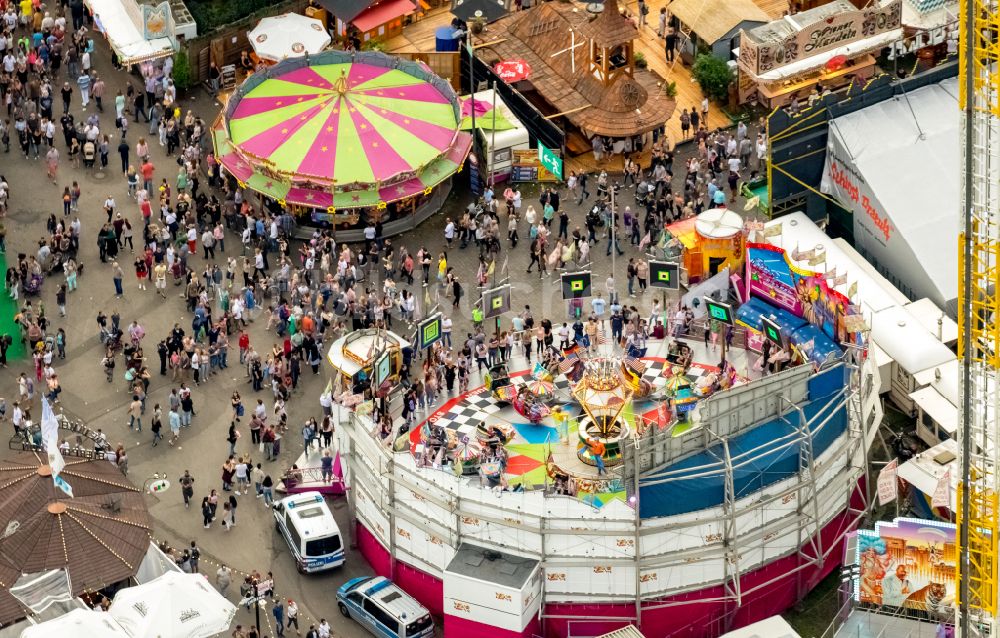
{"x":751,"y":312}
{"x":823,"y":347}
{"x":761,"y":456}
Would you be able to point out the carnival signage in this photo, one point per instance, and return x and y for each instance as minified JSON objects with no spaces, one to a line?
{"x":816,"y":38}
{"x":847,"y":184}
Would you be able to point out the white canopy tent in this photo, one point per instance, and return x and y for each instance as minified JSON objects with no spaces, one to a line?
{"x":79,"y":622}
{"x":895,"y":166}
{"x":175,"y":604}
{"x":287,"y":36}
{"x":773,"y":627}
{"x":124,"y":23}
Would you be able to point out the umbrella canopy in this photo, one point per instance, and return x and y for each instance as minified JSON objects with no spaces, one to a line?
{"x":540,"y":387}
{"x":175,"y":604}
{"x":487,"y":117}
{"x":79,"y":622}
{"x":511,"y":71}
{"x":491,"y":10}
{"x":100,"y":536}
{"x":289,"y":35}
{"x":342,"y":130}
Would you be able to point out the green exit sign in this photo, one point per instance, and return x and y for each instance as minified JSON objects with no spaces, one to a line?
{"x":552,"y":162}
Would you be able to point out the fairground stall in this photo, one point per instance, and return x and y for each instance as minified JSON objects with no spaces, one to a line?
{"x":589,"y":491}
{"x":709,"y":243}
{"x":142,"y":34}
{"x":820,"y":49}
{"x":344,"y":139}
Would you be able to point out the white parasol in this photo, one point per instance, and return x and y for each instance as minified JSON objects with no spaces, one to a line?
{"x":79,"y":622}
{"x":175,"y":604}
{"x":287,"y":36}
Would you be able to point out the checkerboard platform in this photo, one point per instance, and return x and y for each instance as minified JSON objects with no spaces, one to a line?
{"x":465,"y":413}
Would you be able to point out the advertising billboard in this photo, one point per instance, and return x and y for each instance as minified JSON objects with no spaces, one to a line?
{"x":576,"y":285}
{"x":496,"y":301}
{"x":429,"y":331}
{"x":806,"y":294}
{"x":908,"y":563}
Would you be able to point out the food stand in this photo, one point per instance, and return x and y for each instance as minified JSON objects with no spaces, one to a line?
{"x":712,"y":242}
{"x":829,"y":46}
{"x":358,"y":358}
{"x":137,"y":33}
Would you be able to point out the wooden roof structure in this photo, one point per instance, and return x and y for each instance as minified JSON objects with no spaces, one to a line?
{"x":100,"y":536}
{"x":610,"y":28}
{"x":553,"y":37}
{"x":713,"y":19}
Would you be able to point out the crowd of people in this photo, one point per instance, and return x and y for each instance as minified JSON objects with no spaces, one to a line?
{"x":187,"y":230}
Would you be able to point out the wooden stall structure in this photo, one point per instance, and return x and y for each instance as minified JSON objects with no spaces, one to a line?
{"x":714,"y":25}
{"x":582,"y":71}
{"x":367,"y":19}
{"x":817,"y":50}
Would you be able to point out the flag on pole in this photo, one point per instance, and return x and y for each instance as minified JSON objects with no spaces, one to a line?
{"x":773,"y":231}
{"x":50,"y":438}
{"x":888,"y":486}
{"x":942,"y":493}
{"x":50,"y":425}
{"x":63,"y":485}
{"x":638,"y":365}
{"x":568,"y":362}
{"x":492,"y":268}
{"x":504,"y":269}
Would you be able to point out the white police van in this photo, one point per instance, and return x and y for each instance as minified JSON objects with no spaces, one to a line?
{"x":310,"y":531}
{"x":384,"y":609}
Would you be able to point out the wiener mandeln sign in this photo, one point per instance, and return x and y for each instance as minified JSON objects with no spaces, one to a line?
{"x":819,"y":37}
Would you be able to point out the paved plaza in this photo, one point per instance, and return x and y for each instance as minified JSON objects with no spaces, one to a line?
{"x":253,"y":543}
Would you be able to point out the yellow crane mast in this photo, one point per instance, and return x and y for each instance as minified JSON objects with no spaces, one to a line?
{"x":979,"y":316}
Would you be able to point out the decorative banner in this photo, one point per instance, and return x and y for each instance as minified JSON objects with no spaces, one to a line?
{"x":664,"y":274}
{"x":830,"y":274}
{"x":773,"y":230}
{"x":804,"y":293}
{"x":909,"y":563}
{"x":496,"y":301}
{"x":942,"y":492}
{"x":852,"y":291}
{"x":576,"y":285}
{"x":888,"y":486}
{"x":817,"y":258}
{"x":429,"y":331}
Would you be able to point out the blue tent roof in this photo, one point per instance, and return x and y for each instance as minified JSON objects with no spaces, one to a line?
{"x":751,"y":312}
{"x":823,"y":346}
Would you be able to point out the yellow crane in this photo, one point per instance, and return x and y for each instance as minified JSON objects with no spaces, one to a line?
{"x":979,"y":316}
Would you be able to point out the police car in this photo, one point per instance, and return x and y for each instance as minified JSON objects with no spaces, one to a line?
{"x":384,"y":609}
{"x":307,"y":525}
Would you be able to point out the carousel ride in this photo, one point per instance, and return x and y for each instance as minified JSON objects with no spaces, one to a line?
{"x":547,"y":425}
{"x":342,"y":135}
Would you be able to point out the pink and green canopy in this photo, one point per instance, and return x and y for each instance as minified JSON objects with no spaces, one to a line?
{"x":343,"y":131}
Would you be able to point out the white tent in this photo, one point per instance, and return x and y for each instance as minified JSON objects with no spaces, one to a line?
{"x":128,"y":28}
{"x":287,"y":36}
{"x":895,"y":165}
{"x":773,"y":627}
{"x":79,"y":622}
{"x":175,"y":604}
